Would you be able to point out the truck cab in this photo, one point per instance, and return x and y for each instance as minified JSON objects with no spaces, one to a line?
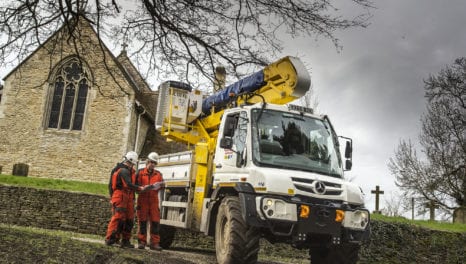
{"x":288,"y":164}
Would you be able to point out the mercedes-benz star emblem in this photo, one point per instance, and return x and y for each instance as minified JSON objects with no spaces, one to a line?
{"x":319,"y":187}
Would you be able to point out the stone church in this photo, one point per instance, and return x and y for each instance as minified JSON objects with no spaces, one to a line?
{"x":71,"y":111}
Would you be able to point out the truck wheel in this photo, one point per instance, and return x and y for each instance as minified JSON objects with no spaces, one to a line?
{"x":334,"y":254}
{"x":167,"y":235}
{"x":235,"y":241}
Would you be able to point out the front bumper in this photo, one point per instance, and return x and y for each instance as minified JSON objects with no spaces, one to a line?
{"x":284,"y":217}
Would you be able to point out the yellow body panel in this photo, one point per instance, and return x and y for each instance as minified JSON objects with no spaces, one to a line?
{"x":281,"y":80}
{"x":203,"y":181}
{"x":202,"y":153}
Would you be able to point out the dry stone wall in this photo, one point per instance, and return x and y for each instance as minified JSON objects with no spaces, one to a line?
{"x":70,"y":211}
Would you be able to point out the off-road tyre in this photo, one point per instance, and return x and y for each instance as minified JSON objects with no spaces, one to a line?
{"x":235,"y":241}
{"x":335,"y":254}
{"x":167,"y":235}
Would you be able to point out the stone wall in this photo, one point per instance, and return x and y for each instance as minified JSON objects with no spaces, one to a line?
{"x":405,"y":243}
{"x":70,"y":211}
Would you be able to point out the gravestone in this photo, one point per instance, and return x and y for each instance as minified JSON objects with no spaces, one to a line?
{"x":459,"y":215}
{"x":20,"y":169}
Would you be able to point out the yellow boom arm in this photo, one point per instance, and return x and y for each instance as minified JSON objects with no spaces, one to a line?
{"x":278,"y":83}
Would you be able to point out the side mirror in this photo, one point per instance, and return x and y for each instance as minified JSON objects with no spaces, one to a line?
{"x":226,"y":143}
{"x":348,"y":153}
{"x":348,"y":150}
{"x":348,"y":165}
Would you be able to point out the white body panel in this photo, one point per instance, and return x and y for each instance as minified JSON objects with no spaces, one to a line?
{"x":176,"y":166}
{"x":279,"y":181}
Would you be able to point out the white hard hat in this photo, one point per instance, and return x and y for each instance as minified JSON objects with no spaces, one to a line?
{"x":132,"y":157}
{"x":153,"y":156}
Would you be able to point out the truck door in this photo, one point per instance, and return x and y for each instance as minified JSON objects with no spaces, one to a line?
{"x":231,"y":148}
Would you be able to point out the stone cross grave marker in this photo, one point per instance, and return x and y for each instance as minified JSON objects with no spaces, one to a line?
{"x":431,"y":205}
{"x":377,"y":192}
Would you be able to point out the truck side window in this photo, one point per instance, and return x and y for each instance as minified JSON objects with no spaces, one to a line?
{"x":230,"y":125}
{"x":234,"y":137}
{"x":240,"y":134}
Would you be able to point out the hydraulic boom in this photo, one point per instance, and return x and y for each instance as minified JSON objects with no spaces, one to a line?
{"x":279,"y":83}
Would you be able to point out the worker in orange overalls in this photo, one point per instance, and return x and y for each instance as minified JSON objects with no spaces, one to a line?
{"x":148,"y":203}
{"x":122,"y":187}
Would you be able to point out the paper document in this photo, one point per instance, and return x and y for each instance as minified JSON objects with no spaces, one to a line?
{"x":155,"y":186}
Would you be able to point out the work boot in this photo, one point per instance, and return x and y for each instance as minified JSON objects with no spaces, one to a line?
{"x":141,"y":245}
{"x":110,"y":241}
{"x":156,"y":246}
{"x":126,"y":244}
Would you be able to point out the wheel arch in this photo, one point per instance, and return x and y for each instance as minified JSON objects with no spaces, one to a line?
{"x":215,"y":200}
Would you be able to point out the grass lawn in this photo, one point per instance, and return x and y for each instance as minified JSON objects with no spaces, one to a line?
{"x":54,"y":184}
{"x":442,"y":226}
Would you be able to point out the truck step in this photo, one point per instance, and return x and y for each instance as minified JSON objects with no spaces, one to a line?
{"x":174,"y":204}
{"x":173,"y":223}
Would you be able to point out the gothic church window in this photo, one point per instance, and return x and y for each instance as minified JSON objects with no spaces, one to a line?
{"x":70,"y":87}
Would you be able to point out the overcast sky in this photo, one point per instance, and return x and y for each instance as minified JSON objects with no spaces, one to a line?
{"x":373,"y":89}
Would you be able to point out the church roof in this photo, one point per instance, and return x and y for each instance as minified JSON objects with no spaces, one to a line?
{"x":145,"y":96}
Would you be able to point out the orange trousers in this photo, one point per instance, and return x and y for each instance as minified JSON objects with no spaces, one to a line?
{"x":148,"y":210}
{"x":122,"y":220}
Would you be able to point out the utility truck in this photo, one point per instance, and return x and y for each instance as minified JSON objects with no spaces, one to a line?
{"x":259,"y":168}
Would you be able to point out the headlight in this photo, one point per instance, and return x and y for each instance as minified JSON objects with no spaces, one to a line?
{"x":269,"y":202}
{"x":276,"y":209}
{"x":358,"y":219}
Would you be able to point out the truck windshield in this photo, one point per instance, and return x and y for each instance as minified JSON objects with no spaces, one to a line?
{"x":293,"y":141}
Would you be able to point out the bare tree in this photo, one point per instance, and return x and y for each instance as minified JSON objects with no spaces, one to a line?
{"x":183,"y":37}
{"x":395,"y":204}
{"x":439,"y":175}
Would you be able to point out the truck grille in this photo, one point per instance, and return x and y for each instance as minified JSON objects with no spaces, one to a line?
{"x":317,"y":187}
